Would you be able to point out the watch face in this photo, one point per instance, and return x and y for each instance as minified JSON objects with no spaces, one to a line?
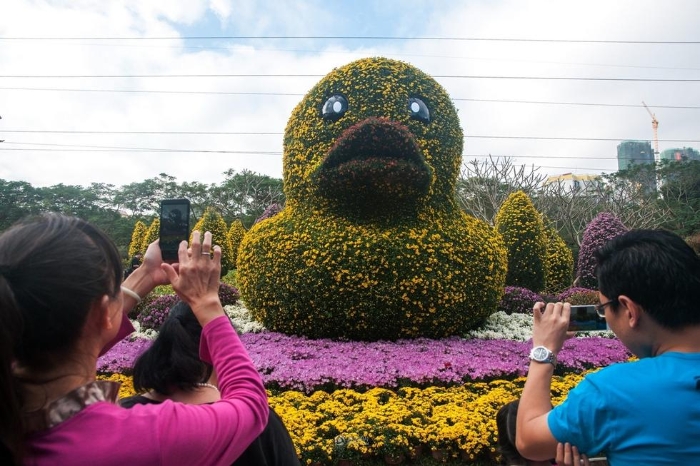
{"x":539,"y":353}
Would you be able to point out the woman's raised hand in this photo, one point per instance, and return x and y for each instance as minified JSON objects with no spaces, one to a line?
{"x":197,"y":275}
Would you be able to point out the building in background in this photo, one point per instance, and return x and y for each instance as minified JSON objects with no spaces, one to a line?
{"x":686,"y":153}
{"x":573,"y":183}
{"x":634,"y":153}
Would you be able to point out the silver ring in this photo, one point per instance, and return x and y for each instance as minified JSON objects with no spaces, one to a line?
{"x":206,"y":253}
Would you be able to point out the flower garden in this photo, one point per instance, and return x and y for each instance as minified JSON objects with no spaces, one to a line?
{"x":415,"y":316}
{"x":410,"y":400}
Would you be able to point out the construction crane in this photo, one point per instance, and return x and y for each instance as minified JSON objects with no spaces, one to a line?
{"x":655,"y":127}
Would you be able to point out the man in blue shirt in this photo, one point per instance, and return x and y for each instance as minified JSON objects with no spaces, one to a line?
{"x":642,"y":412}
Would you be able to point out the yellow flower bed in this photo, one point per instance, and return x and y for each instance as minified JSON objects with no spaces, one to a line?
{"x":461,"y":419}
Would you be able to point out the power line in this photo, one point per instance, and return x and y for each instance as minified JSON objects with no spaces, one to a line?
{"x":277,"y":133}
{"x":388,"y":38}
{"x":91,"y":148}
{"x":289,"y":75}
{"x":291,"y":94}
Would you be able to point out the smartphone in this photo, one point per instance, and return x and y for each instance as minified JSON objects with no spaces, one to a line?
{"x":585,"y":317}
{"x":174,"y":226}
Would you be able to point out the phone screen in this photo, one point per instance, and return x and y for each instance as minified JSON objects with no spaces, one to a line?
{"x":585,"y":317}
{"x":174,"y":226}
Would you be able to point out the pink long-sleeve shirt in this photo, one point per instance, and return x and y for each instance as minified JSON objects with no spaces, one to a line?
{"x":169,"y":433}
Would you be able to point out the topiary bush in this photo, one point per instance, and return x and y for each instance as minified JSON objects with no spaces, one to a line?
{"x":371,"y":243}
{"x":137,"y":236}
{"x":235,"y":236}
{"x":523,"y":234}
{"x":228,"y":294}
{"x":604,"y":227}
{"x":518,"y":300}
{"x":213,"y":222}
{"x":154,"y":313}
{"x":152,"y":234}
{"x":578,"y":295}
{"x":558,"y":264}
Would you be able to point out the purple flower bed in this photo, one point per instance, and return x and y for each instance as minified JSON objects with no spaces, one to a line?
{"x":122,"y":356}
{"x":287,"y":362}
{"x":307,"y":365}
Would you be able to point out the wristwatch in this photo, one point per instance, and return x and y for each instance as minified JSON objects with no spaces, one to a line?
{"x":542,"y":354}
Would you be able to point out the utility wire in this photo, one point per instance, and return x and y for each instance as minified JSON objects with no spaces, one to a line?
{"x":388,"y":38}
{"x":288,"y":75}
{"x":286,"y":94}
{"x":90,"y":148}
{"x":277,"y":133}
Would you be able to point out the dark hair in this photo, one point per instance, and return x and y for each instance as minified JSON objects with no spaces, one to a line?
{"x":173,"y":361}
{"x":505,"y":424}
{"x":657,"y":270}
{"x":52,"y":269}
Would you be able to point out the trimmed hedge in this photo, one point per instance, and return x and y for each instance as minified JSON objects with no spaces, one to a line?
{"x":235,"y":236}
{"x":364,"y":248}
{"x":152,"y":234}
{"x":212,"y":222}
{"x":137,"y":236}
{"x":523,"y":233}
{"x":559,"y":262}
{"x":604,"y":227}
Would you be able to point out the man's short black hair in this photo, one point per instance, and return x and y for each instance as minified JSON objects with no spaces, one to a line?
{"x":657,"y":270}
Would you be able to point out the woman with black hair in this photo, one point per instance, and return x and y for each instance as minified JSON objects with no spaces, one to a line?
{"x":62,"y":305}
{"x":172,"y":370}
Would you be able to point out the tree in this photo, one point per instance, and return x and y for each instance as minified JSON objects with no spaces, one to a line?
{"x":522,"y":230}
{"x":246,"y":195}
{"x":680,"y":194}
{"x":18,"y":199}
{"x":484,"y":185}
{"x":632,"y":196}
{"x":569,"y":209}
{"x":143,"y":199}
{"x":213,"y":222}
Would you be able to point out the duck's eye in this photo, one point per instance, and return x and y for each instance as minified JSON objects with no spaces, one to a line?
{"x":418,"y":109}
{"x":335,"y":107}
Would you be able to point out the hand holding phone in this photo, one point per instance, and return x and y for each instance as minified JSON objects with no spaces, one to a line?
{"x":174,"y":226}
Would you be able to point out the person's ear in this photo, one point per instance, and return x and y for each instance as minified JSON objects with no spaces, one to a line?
{"x":103,"y":310}
{"x":631,"y":310}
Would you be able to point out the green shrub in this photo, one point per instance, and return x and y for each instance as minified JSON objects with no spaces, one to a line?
{"x":523,"y":234}
{"x":364,"y":248}
{"x":137,"y":236}
{"x":213,"y":222}
{"x":231,"y":278}
{"x":235,"y":236}
{"x":152,"y":234}
{"x":559,"y":262}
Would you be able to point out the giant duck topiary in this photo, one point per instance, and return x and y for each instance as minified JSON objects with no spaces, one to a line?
{"x":371,"y":243}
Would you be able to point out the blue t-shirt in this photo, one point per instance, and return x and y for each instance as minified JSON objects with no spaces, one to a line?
{"x":642,"y":412}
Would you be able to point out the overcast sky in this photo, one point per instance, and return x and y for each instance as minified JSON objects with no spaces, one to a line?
{"x":62,"y":124}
